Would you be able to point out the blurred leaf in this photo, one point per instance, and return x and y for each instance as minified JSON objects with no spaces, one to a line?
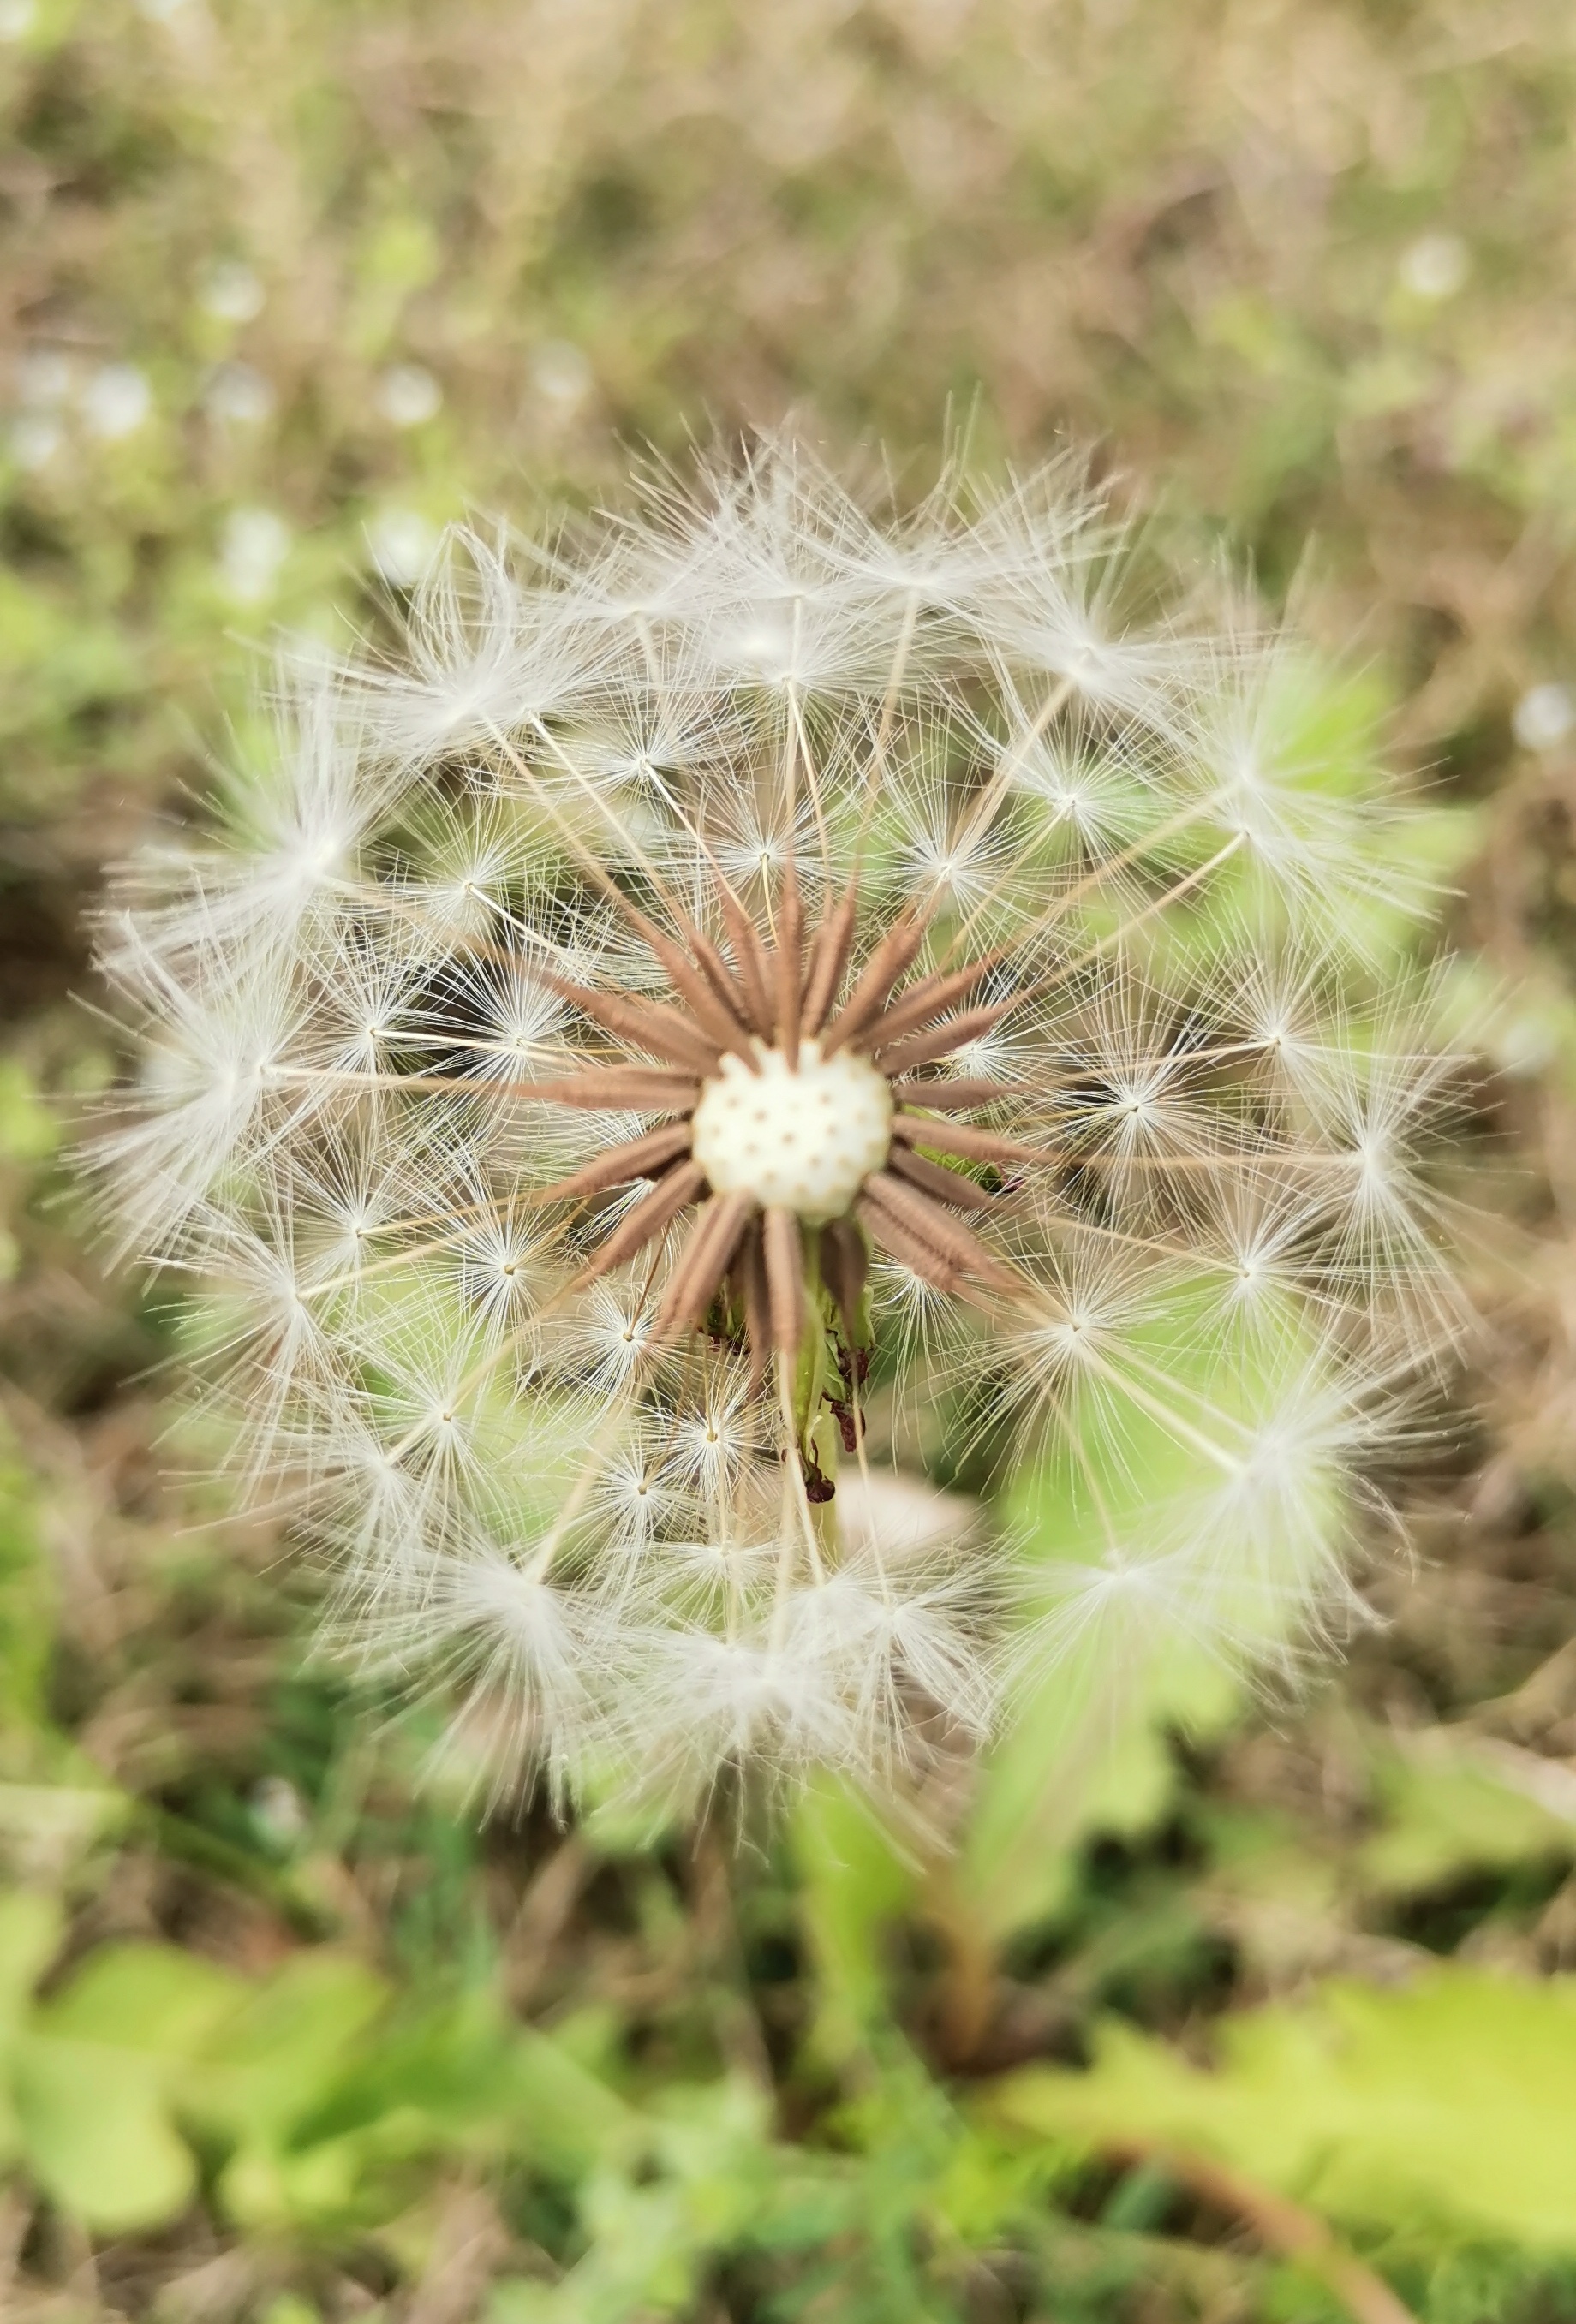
{"x":853,"y":1887}
{"x":274,"y":2064}
{"x":1450,"y":2105}
{"x":289,"y":2308}
{"x":701,"y":2178}
{"x":29,"y":1133}
{"x":325,"y":2092}
{"x":31,"y":1923}
{"x":54,"y":1803}
{"x":54,"y":657}
{"x":94,"y":2075}
{"x":1448,"y":1809}
{"x":401,"y":254}
{"x":26,"y":1601}
{"x":568,"y":2116}
{"x":1086,"y":1749}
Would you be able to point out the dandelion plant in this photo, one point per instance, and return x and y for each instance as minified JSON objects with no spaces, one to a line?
{"x":751,"y":999}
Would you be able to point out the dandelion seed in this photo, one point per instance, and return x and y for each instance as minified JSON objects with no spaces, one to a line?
{"x":750,"y":982}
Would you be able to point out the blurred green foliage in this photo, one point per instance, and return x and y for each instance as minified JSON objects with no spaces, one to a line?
{"x":1448,"y":2105}
{"x":286,"y":2034}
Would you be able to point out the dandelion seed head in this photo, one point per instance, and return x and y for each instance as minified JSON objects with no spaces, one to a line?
{"x":757,"y":1001}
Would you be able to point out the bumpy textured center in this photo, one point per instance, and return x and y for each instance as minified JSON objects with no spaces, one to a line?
{"x":801,"y":1139}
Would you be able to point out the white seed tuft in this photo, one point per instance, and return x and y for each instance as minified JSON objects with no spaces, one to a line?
{"x":1169,"y":1270}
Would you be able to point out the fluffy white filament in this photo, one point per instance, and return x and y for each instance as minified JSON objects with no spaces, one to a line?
{"x":1221,"y":1260}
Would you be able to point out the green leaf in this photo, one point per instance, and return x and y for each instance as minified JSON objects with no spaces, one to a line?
{"x":31,"y":1923}
{"x":146,"y":1997}
{"x":463,"y":2077}
{"x":325,"y":2095}
{"x":853,"y":1885}
{"x":1450,"y":2105}
{"x":29,"y":1131}
{"x":568,"y":2117}
{"x":95,"y":2076}
{"x":26,"y":1602}
{"x":655,"y":2214}
{"x":1086,"y":1749}
{"x":1449,"y":1809}
{"x":279,"y":2055}
{"x":55,"y":656}
{"x":289,"y":2308}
